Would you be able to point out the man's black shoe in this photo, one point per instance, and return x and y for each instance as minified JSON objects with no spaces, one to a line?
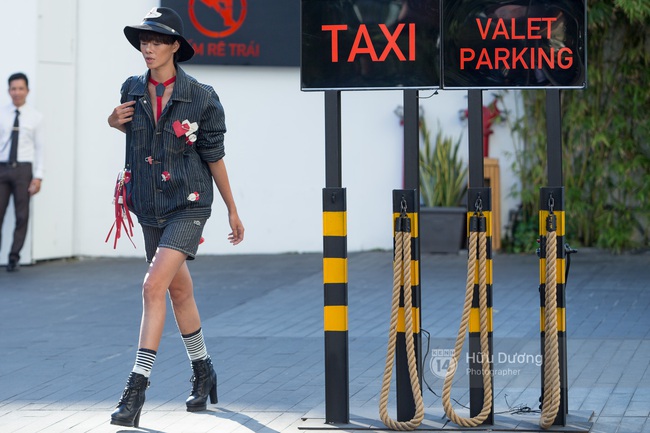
{"x":12,"y":266}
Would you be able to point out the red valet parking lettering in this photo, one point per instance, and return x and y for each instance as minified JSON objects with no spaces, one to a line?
{"x":528,"y":57}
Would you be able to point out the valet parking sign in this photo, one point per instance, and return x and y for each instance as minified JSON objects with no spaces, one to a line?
{"x":514,"y":44}
{"x":452,"y":44}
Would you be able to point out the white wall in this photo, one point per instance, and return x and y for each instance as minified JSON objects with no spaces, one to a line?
{"x":18,"y":57}
{"x":53,"y":217}
{"x":274,"y":145}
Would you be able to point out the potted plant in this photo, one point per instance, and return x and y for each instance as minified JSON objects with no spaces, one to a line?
{"x":443,"y":185}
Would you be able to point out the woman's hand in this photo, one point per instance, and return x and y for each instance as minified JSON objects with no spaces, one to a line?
{"x":237,"y":234}
{"x":121,"y":115}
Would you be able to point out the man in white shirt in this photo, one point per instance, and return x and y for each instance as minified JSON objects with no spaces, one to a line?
{"x":21,"y":160}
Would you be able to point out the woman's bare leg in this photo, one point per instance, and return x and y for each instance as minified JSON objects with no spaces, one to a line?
{"x":163,"y":270}
{"x":181,"y":293}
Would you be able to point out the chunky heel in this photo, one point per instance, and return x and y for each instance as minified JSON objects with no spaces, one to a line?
{"x":130,"y":405}
{"x":136,"y":421}
{"x":204,"y":384}
{"x":213,"y":394}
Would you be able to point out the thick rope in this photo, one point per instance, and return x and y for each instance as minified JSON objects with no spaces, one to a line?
{"x":460,"y":339}
{"x":401,"y":276}
{"x":552,"y":391}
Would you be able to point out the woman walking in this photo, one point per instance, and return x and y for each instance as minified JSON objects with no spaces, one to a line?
{"x":175,"y":128}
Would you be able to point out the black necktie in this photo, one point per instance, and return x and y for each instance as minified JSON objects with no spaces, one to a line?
{"x":13,"y":153}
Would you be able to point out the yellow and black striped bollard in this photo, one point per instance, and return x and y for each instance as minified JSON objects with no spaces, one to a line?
{"x":552,"y":204}
{"x":404,"y":394}
{"x":335,"y":282}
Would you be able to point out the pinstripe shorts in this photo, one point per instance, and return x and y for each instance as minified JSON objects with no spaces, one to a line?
{"x":179,"y":235}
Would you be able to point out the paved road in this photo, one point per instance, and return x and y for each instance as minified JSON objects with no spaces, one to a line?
{"x":69,"y":333}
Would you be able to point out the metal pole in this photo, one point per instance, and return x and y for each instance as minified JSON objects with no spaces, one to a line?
{"x":404,"y":400}
{"x":556,"y":190}
{"x":554,"y":138}
{"x":476,"y":191}
{"x":335,"y":275}
{"x":411,"y":140}
{"x":333,"y":176}
{"x":475,"y":137}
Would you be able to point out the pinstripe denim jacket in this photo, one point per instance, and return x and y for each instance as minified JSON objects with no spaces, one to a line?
{"x":170,"y":177}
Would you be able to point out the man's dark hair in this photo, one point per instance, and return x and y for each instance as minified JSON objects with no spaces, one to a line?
{"x":18,"y":76}
{"x":147,"y":36}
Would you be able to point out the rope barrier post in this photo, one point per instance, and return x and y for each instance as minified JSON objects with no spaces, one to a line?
{"x":476,"y":318}
{"x":552,"y":272}
{"x":404,"y":331}
{"x":476,"y":194}
{"x":480,"y":197}
{"x":552,"y":258}
{"x":404,"y":395}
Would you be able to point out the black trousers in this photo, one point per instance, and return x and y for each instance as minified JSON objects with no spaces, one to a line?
{"x":14,"y":182}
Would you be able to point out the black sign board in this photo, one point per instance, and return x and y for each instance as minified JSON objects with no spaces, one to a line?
{"x":241,"y":32}
{"x":370,"y":44}
{"x":513,"y":44}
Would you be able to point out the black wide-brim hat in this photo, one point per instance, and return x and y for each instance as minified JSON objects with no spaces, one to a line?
{"x":164,"y":21}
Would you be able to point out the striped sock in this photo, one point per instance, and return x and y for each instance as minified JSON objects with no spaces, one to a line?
{"x":195,"y":345}
{"x":144,"y":362}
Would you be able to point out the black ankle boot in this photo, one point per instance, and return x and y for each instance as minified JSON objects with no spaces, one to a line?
{"x":130,"y":405}
{"x":204,"y":382}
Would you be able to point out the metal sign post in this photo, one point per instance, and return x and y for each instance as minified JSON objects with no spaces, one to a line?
{"x":478,"y":194}
{"x":552,"y":202}
{"x":335,"y":270}
{"x":404,"y":394}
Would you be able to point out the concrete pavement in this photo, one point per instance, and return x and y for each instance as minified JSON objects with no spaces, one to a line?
{"x":69,"y":335}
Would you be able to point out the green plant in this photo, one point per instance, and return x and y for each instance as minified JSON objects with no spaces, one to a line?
{"x":443,"y":174}
{"x":605,"y":135}
{"x":522,"y":233}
